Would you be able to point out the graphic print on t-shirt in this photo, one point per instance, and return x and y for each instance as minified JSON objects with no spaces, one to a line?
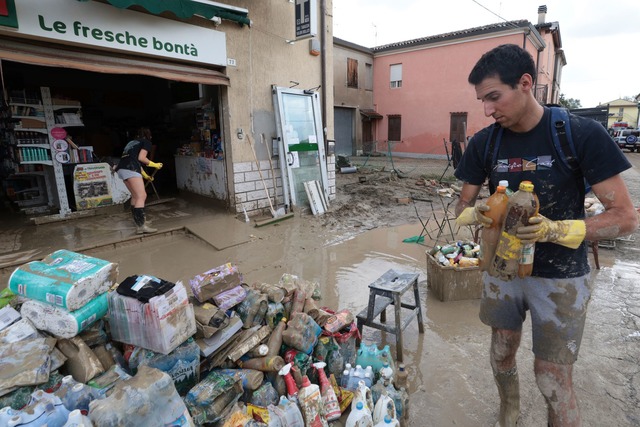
{"x":520,"y":164}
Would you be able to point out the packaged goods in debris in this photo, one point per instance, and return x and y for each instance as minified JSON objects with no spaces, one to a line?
{"x":64,"y":279}
{"x":229,"y":299}
{"x":253,"y":309}
{"x":63,"y":323}
{"x":81,"y":362}
{"x":302,"y":332}
{"x":182,"y":364}
{"x":210,"y":283}
{"x":260,"y":354}
{"x":8,"y":316}
{"x":161,"y":325}
{"x":25,"y":362}
{"x":209,"y":319}
{"x":215,"y":341}
{"x":211,"y":397}
{"x":149,"y":398}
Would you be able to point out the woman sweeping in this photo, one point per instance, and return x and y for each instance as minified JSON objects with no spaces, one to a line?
{"x":131,"y":172}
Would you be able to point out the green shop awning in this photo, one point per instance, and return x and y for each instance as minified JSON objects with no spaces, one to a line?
{"x":185,"y":9}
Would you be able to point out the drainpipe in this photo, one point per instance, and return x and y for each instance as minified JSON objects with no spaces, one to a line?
{"x":323,"y":64}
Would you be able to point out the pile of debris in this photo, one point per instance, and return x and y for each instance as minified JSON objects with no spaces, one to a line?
{"x":79,"y":347}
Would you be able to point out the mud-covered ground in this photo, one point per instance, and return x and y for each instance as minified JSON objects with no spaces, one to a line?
{"x":388,"y":192}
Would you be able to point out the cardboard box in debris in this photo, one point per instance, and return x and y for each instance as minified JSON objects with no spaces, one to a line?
{"x":219,"y":342}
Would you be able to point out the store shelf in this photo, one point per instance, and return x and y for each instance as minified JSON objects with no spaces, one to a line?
{"x":41,"y":130}
{"x":22,"y":104}
{"x":47,"y":146}
{"x":28,"y":173}
{"x":41,"y":162}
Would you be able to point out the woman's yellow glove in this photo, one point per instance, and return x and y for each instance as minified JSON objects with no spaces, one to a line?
{"x":569,"y":232}
{"x":146,"y":176}
{"x":154,"y":165}
{"x":474,"y":215}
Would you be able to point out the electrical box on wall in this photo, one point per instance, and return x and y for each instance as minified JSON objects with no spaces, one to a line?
{"x":314,"y":47}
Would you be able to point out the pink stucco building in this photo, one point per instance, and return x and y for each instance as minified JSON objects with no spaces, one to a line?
{"x":421,"y":91}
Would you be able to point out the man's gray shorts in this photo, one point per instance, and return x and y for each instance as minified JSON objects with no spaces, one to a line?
{"x":558,"y":310}
{"x":125,"y":174}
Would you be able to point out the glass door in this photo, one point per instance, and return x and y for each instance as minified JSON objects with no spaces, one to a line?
{"x":299,"y":126}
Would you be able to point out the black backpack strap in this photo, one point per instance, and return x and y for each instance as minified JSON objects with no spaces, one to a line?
{"x":491,"y":152}
{"x":563,"y":141}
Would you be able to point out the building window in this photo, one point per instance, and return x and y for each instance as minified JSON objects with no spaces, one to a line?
{"x":395,"y":124}
{"x":352,"y":72}
{"x":368,"y":77}
{"x":395,"y":73}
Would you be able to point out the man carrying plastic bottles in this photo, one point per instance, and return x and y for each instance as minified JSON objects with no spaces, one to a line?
{"x":558,"y":291}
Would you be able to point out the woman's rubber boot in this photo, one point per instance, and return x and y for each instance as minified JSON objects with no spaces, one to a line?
{"x":140,"y":219}
{"x":509,"y":389}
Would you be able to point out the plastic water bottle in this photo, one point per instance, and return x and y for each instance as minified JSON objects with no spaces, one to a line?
{"x":368,"y":376}
{"x":65,"y":387}
{"x":344,"y":380}
{"x":401,"y":377}
{"x":6,"y":414}
{"x":355,"y":377}
{"x":77,"y":419}
{"x":79,"y":398}
{"x":359,"y":417}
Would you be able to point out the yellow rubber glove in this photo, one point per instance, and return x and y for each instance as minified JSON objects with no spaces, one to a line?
{"x":146,"y":176}
{"x":569,"y":232}
{"x":474,"y":215}
{"x":154,"y":165}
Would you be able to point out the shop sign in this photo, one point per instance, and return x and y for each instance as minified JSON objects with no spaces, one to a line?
{"x":8,"y":14}
{"x":104,"y":26}
{"x":306,"y":19}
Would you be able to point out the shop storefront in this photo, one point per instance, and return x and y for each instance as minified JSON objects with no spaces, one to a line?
{"x":79,"y":77}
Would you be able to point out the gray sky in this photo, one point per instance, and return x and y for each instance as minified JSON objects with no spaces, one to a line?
{"x":601,"y":39}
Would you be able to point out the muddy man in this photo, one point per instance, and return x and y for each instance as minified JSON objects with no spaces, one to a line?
{"x":558,"y":291}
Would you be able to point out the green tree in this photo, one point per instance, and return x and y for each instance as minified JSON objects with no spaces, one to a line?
{"x":569,"y":102}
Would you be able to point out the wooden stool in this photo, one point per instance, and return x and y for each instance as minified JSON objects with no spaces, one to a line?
{"x":389,"y":289}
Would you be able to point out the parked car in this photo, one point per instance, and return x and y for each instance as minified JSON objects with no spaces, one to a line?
{"x":628,"y":138}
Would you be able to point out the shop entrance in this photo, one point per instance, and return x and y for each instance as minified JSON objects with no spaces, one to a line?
{"x":100,"y":114}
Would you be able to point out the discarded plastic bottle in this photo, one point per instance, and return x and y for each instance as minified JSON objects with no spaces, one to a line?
{"x":287,"y":412}
{"x":359,"y":416}
{"x":401,"y":376}
{"x":388,"y":422}
{"x":292,"y":388}
{"x":383,"y":408}
{"x":275,"y":339}
{"x":497,"y":204}
{"x":310,"y":401}
{"x":505,"y":184}
{"x":331,"y":405}
{"x":77,"y":419}
{"x":522,"y":206}
{"x":525,"y":266}
{"x":79,"y":397}
{"x":6,"y":414}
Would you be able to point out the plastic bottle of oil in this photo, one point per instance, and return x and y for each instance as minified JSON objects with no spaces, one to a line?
{"x":525,"y":266}
{"x":497,"y":203}
{"x":522,"y":206}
